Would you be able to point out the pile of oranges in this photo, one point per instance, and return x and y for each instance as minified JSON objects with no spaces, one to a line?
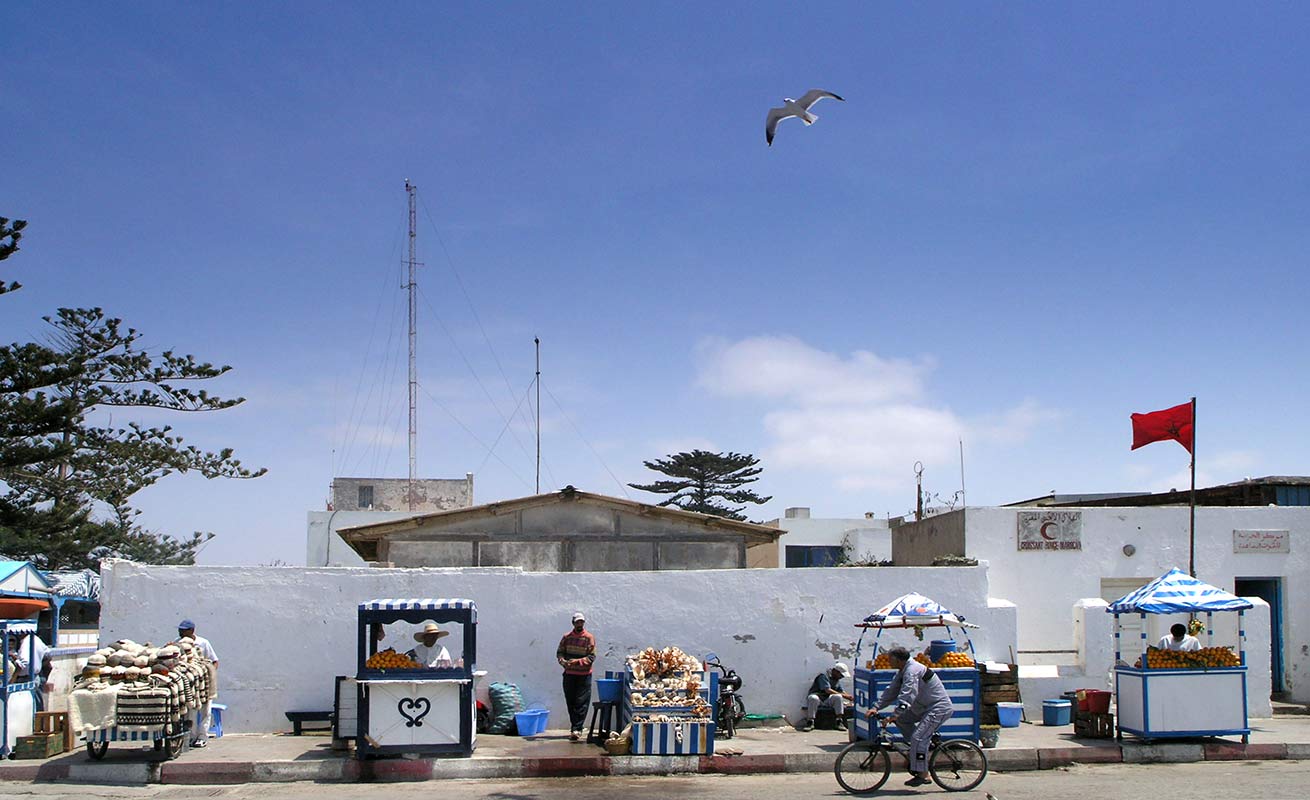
{"x":390,"y":659}
{"x":1201,"y":659}
{"x":948,"y":661}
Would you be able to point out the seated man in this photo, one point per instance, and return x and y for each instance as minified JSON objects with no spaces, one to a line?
{"x":826,"y":690}
{"x":922,"y":705}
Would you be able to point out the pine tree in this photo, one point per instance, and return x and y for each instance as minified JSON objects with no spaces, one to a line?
{"x":58,"y":470}
{"x":701,"y":477}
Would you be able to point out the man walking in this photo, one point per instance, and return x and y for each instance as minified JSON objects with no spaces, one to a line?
{"x":576,"y":653}
{"x":922,"y":705}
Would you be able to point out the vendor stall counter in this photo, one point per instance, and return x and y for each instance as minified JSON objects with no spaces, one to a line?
{"x":415,"y":708}
{"x":1169,"y":694}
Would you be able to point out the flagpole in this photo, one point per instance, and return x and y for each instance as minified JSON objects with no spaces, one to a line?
{"x":1191,"y":541}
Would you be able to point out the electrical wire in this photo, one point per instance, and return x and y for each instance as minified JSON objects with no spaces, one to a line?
{"x":473,"y":435}
{"x":508,"y":422}
{"x":622,"y":488}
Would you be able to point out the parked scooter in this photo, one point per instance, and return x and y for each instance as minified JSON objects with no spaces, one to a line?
{"x":731,"y":709}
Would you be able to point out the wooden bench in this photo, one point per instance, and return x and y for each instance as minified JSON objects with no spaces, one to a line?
{"x":299,"y":718}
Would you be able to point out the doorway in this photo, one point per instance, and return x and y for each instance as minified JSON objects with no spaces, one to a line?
{"x":1131,"y":626}
{"x":1269,"y":590}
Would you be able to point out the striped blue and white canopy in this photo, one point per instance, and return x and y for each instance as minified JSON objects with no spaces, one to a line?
{"x":18,"y":626}
{"x":1176,"y":592}
{"x":914,"y":610}
{"x":425,"y":604}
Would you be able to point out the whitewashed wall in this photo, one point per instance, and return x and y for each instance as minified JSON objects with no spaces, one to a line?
{"x":282,"y":633}
{"x":324,"y":547}
{"x":1045,"y":584}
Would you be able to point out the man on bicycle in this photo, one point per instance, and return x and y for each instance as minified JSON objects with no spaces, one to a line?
{"x":922,"y":705}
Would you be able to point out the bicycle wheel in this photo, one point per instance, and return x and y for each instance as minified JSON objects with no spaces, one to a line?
{"x":862,"y":767}
{"x":957,"y":765}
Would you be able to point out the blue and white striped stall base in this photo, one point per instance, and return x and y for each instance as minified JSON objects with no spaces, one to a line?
{"x":673,"y":738}
{"x":962,"y":684}
{"x":115,"y":735}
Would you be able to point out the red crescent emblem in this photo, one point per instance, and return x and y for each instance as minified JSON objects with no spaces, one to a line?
{"x":1046,"y":525}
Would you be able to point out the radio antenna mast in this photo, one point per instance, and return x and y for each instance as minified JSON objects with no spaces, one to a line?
{"x":411,"y":285}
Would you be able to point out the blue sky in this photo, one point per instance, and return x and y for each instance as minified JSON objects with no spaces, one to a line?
{"x":1025,"y":223}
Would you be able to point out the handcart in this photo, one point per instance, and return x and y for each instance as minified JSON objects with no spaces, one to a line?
{"x":963,"y":684}
{"x":169,"y":739}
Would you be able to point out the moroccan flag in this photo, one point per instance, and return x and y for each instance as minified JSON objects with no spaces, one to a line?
{"x":1172,"y":423}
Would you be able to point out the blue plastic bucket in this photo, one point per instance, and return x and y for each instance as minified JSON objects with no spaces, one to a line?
{"x":609,"y":690}
{"x":1009,"y":714}
{"x":940,"y":647}
{"x":1057,"y":712}
{"x":532,"y":721}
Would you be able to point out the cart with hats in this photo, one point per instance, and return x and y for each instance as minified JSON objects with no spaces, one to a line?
{"x":142,"y":694}
{"x":1168,"y":693}
{"x":424,"y":706}
{"x":914,"y":612}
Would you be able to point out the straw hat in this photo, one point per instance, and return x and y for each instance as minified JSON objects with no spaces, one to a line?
{"x":430,"y":629}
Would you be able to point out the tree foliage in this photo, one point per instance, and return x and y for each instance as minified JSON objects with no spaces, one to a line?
{"x":9,"y":236}
{"x":68,"y":470}
{"x":706,"y":482}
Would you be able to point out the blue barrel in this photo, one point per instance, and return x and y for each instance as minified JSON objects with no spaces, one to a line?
{"x":939,"y":648}
{"x":1057,"y":712}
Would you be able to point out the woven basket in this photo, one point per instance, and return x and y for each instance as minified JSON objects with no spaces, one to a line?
{"x":618,"y":747}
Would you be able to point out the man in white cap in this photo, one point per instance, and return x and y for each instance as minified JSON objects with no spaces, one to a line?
{"x":186,"y":629}
{"x":826,"y":690}
{"x":427,"y":652}
{"x":576,"y":653}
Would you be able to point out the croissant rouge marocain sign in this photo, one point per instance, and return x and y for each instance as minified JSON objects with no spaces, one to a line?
{"x":1050,"y":530}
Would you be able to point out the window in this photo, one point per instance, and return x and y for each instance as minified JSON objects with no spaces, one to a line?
{"x":813,"y":555}
{"x":1292,"y":495}
{"x":365,"y":496}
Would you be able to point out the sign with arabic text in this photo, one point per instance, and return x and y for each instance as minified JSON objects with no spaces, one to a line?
{"x":1050,"y":530}
{"x":1261,"y":542}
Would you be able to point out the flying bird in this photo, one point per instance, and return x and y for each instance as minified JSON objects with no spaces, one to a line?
{"x":795,"y":108}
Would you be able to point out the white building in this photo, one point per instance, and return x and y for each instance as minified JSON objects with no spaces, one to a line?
{"x":362,"y":501}
{"x":813,"y":542}
{"x":1046,"y":559}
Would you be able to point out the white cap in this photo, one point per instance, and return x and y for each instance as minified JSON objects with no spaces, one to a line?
{"x":578,"y":615}
{"x":842,"y":668}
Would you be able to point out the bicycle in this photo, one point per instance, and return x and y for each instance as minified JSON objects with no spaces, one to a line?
{"x":863,"y":766}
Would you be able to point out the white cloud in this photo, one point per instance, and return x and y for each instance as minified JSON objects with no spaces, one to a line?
{"x":862,"y":419}
{"x":1221,"y":468}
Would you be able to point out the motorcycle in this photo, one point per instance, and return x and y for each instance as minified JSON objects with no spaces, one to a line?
{"x":731,"y":709}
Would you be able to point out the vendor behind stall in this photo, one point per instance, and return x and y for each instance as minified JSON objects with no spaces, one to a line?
{"x":427,"y":652}
{"x":24,"y":671}
{"x":1178,"y":639}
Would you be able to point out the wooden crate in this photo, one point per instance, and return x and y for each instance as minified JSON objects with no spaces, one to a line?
{"x":40,"y":745}
{"x":54,"y":722}
{"x":1087,"y":725}
{"x":992,"y":695}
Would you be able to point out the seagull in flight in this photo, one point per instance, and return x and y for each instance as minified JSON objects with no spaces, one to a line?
{"x":795,"y":108}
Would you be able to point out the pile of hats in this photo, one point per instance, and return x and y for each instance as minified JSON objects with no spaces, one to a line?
{"x":125,"y":661}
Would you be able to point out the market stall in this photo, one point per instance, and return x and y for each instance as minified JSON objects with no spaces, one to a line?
{"x":669,"y":700}
{"x":957,"y":670}
{"x":17,"y":701}
{"x":1168,"y":693}
{"x":139,"y":693}
{"x":403,"y":705}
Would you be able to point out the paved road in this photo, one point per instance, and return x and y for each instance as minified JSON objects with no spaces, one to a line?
{"x":1247,"y":780}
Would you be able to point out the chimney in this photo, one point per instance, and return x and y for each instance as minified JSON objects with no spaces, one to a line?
{"x":797,"y":512}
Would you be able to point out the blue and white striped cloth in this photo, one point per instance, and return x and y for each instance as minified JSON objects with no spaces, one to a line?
{"x":425,"y":604}
{"x":914,"y":609}
{"x":1176,"y":592}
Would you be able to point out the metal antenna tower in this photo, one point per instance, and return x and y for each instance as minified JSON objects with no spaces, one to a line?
{"x":411,"y":189}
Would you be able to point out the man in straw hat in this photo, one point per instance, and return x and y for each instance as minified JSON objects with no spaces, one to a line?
{"x":427,"y":652}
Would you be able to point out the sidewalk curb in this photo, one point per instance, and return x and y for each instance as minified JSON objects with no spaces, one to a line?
{"x":349,"y":770}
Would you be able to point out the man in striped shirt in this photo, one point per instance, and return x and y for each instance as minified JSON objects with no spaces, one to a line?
{"x":576,"y":654}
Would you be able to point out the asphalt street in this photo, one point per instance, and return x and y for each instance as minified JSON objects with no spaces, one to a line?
{"x":1266,"y":780}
